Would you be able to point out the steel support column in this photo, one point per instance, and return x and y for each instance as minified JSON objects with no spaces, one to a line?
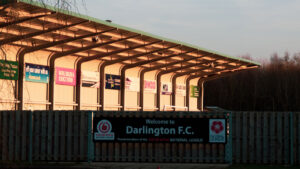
{"x":62,"y":54}
{"x":187,"y":94}
{"x":188,"y":88}
{"x":142,"y":75}
{"x":86,"y":59}
{"x":197,"y":76}
{"x":201,"y":101}
{"x":29,"y":35}
{"x":158,"y":88}
{"x":129,"y":66}
{"x":102,"y":70}
{"x":21,"y":58}
{"x":214,"y":76}
{"x":174,"y":78}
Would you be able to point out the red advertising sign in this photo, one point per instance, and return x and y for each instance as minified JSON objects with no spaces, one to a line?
{"x":65,"y":76}
{"x":150,"y":86}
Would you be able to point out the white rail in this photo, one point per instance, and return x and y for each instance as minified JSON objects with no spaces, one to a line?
{"x":66,"y":104}
{"x":150,"y":108}
{"x":9,"y":101}
{"x":91,"y":105}
{"x":37,"y":102}
{"x":174,"y":107}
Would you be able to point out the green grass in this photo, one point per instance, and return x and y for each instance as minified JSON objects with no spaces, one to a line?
{"x":253,"y":166}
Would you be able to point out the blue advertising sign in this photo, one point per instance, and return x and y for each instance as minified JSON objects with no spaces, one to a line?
{"x":36,"y":73}
{"x":112,"y":82}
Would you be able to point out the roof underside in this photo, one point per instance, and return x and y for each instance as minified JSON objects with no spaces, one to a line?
{"x":27,"y":24}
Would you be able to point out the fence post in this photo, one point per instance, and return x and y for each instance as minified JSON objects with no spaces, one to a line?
{"x":228,"y":146}
{"x":30,"y":136}
{"x":292,"y":138}
{"x":90,"y":140}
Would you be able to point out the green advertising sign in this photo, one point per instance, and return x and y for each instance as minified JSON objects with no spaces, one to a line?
{"x":194,"y":91}
{"x":8,"y":70}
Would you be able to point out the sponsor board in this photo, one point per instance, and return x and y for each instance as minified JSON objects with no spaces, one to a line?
{"x":194,"y":91}
{"x":163,"y":130}
{"x":181,"y":89}
{"x":217,"y":130}
{"x":36,"y":73}
{"x":132,"y":84}
{"x":104,"y":128}
{"x":166,"y":88}
{"x":112,"y":82}
{"x":149,"y":86}
{"x":65,"y":76}
{"x":90,"y":79}
{"x":9,"y":70}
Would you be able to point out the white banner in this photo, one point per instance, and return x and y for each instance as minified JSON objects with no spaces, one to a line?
{"x":150,"y":86}
{"x":90,"y":79}
{"x":166,"y":88}
{"x":132,"y":84}
{"x":181,"y":89}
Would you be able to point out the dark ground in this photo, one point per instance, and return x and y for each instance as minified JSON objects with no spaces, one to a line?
{"x":120,"y":165}
{"x":113,"y":166}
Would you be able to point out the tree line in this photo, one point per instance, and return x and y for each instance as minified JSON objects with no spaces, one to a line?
{"x":275,"y":86}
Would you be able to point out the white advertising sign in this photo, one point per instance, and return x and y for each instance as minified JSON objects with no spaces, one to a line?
{"x":217,"y":130}
{"x":90,"y":79}
{"x":180,"y":89}
{"x":132,"y":84}
{"x":166,"y":88}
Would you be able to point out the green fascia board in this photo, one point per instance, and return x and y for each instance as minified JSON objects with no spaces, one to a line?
{"x":38,"y":4}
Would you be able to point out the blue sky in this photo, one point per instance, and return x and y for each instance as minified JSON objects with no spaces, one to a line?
{"x":235,"y":27}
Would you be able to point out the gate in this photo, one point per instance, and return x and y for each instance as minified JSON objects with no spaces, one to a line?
{"x":67,"y":136}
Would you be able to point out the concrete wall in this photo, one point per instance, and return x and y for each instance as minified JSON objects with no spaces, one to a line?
{"x":165,"y":100}
{"x":36,"y":94}
{"x":89,"y":94}
{"x":193,"y":100}
{"x":112,"y":97}
{"x":7,"y":87}
{"x":180,"y":99}
{"x":150,"y":98}
{"x":132,"y":97}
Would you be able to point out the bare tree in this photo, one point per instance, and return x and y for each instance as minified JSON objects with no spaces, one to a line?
{"x":273,"y":87}
{"x":67,"y":5}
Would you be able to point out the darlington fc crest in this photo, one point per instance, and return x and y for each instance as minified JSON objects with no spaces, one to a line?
{"x":104,"y":128}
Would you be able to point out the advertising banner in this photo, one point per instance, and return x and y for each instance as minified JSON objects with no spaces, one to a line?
{"x":9,"y":70}
{"x":36,"y":73}
{"x":217,"y":130}
{"x":132,"y":84}
{"x":181,"y":89}
{"x":90,"y":79}
{"x":162,"y":130}
{"x":149,"y":86}
{"x":112,"y":82}
{"x":194,"y":91}
{"x":166,"y":88}
{"x":65,"y":76}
